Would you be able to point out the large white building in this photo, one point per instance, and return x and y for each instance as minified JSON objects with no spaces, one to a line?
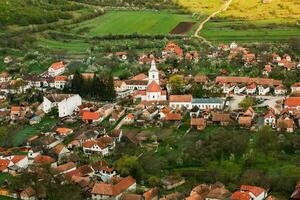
{"x":56,"y":69}
{"x":187,"y":101}
{"x":66,"y":103}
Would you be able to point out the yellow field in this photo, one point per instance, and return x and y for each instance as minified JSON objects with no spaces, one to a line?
{"x":248,"y":9}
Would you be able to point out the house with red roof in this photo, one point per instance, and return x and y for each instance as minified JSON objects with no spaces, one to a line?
{"x":56,"y":69}
{"x":129,"y":118}
{"x":65,"y":168}
{"x":61,"y":131}
{"x":172,"y":49}
{"x":44,"y":160}
{"x":198,"y":123}
{"x":267,"y":70}
{"x":276,"y":58}
{"x":248,"y":192}
{"x":91,"y":117}
{"x":100,"y":145}
{"x":285,"y":124}
{"x":60,"y":82}
{"x":113,"y":190}
{"x":292,"y":103}
{"x":295,"y":87}
{"x":251,"y":89}
{"x":280,"y":90}
{"x":270,"y":118}
{"x":28,"y":194}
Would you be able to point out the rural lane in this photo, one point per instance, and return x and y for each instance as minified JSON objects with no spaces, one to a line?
{"x":222,"y":9}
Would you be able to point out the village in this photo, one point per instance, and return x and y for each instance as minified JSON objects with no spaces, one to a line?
{"x":87,"y":142}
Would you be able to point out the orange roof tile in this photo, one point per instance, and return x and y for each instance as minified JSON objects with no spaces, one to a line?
{"x":240,"y":196}
{"x":173,"y":116}
{"x":139,"y":77}
{"x":65,"y":167}
{"x":180,"y":98}
{"x":57,"y":65}
{"x":15,"y":109}
{"x":64,"y":131}
{"x":256,"y":191}
{"x":91,"y":115}
{"x":42,"y":159}
{"x":153,"y":87}
{"x":292,"y":102}
{"x":18,"y":158}
{"x":60,"y":78}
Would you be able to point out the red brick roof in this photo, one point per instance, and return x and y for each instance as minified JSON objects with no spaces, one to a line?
{"x":153,"y":87}
{"x":139,"y":77}
{"x":173,"y":47}
{"x":180,"y":98}
{"x":57,"y":65}
{"x":18,"y":158}
{"x":197,"y":122}
{"x":15,"y":109}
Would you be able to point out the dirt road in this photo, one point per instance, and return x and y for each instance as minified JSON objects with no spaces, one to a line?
{"x":222,"y":9}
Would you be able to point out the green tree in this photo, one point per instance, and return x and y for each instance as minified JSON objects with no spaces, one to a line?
{"x":267,"y":141}
{"x":177,"y":84}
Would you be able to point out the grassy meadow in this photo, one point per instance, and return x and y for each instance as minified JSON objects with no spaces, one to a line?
{"x":128,"y":22}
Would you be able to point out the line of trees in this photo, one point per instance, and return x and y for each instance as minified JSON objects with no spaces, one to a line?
{"x":101,"y":86}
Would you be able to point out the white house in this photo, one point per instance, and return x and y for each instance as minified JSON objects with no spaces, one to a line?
{"x":233,"y":45}
{"x":270,"y":119}
{"x":295,"y":87}
{"x":66,"y":103}
{"x":250,"y":192}
{"x":227,"y":88}
{"x":56,"y":69}
{"x":280,"y":90}
{"x":103,"y":191}
{"x":239,"y":89}
{"x":208,"y":103}
{"x":263,"y":90}
{"x":60,"y":82}
{"x":107,"y":173}
{"x":251,"y":89}
{"x":93,"y":146}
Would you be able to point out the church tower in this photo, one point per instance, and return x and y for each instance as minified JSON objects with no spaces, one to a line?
{"x":153,"y":73}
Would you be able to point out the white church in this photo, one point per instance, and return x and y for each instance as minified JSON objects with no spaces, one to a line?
{"x":153,"y":90}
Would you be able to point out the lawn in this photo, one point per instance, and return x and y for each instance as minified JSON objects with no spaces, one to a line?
{"x":28,"y":131}
{"x":4,"y":176}
{"x":128,"y":22}
{"x":74,"y":46}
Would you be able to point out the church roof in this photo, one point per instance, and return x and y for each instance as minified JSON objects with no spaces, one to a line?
{"x":153,"y":87}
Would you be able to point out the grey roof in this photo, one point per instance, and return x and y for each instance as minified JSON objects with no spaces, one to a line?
{"x":208,"y":100}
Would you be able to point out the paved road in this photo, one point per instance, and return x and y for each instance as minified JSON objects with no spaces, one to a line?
{"x":222,"y":9}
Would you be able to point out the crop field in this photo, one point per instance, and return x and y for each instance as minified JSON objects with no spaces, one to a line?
{"x":128,"y":22}
{"x":74,"y":46}
{"x":247,"y":9}
{"x":258,"y":31}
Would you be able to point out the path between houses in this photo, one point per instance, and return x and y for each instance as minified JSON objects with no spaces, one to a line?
{"x":201,"y":25}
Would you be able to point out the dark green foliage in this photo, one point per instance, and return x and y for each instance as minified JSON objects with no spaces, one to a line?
{"x":100,"y":87}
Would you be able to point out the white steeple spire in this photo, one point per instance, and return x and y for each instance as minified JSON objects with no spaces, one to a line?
{"x":153,"y":66}
{"x":153,"y":73}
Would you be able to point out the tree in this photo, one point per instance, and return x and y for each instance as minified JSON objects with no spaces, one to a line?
{"x":177,"y":84}
{"x":267,"y":141}
{"x":77,"y":83}
{"x":128,"y":165}
{"x":247,"y":102}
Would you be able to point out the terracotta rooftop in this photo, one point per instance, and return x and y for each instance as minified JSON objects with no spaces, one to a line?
{"x":57,"y":65}
{"x":180,"y":98}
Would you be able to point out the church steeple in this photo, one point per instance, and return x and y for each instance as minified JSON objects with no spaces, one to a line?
{"x":153,"y":73}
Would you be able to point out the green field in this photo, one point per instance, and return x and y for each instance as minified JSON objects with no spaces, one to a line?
{"x":74,"y":46}
{"x":128,"y":22}
{"x":253,"y":31}
{"x":28,"y":131}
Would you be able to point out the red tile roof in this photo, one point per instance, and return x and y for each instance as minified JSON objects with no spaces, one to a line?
{"x":139,"y":77}
{"x":292,"y":102}
{"x":153,"y":87}
{"x":65,"y":167}
{"x":15,"y":109}
{"x":60,"y":78}
{"x":64,"y":131}
{"x":173,"y":116}
{"x":256,"y":191}
{"x":18,"y":158}
{"x":180,"y":98}
{"x":197,"y":122}
{"x":57,"y":65}
{"x":240,"y":196}
{"x":91,"y":115}
{"x":42,"y":159}
{"x":113,"y":190}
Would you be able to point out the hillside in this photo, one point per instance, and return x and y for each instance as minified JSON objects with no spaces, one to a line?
{"x":248,"y":9}
{"x":26,"y":12}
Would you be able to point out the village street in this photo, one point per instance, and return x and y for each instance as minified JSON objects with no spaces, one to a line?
{"x":268,"y":101}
